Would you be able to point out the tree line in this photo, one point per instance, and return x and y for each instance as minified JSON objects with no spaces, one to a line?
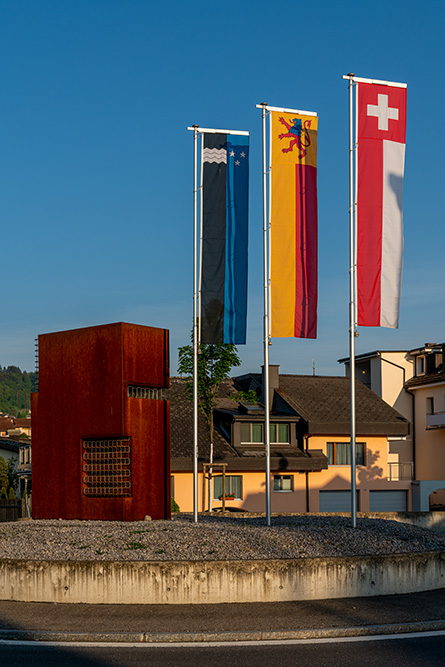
{"x":15,"y":390}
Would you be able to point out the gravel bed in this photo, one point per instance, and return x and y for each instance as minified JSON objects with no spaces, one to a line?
{"x":212,"y":538}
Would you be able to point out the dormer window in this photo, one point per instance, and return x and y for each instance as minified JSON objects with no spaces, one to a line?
{"x":252,"y":433}
{"x":420,"y":365}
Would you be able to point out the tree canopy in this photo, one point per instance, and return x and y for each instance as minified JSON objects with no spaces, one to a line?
{"x":15,"y":390}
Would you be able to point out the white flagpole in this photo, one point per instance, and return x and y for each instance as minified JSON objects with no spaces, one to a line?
{"x":352,"y":298}
{"x":195,"y":325}
{"x":266,"y":321}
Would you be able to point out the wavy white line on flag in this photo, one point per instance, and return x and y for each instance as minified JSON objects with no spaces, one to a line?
{"x":218,"y":155}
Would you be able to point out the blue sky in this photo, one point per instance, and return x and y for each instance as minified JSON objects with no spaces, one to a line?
{"x":96,"y":166}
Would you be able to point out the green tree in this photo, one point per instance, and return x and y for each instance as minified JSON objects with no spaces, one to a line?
{"x":4,"y":481}
{"x":13,"y":477}
{"x":15,"y":390}
{"x":214,"y":365}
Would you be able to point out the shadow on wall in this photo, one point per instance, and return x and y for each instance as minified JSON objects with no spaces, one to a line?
{"x":372,"y":472}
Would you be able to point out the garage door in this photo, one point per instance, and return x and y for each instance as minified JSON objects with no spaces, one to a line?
{"x":335,"y":501}
{"x":387,"y":501}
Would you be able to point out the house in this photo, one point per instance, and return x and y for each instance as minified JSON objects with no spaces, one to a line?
{"x":310,"y":452}
{"x":413,"y":381}
{"x":22,"y":426}
{"x":386,"y":372}
{"x":6,"y":424}
{"x":9,"y":448}
{"x":24,"y":469}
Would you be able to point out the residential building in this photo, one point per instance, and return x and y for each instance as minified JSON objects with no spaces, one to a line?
{"x":24,"y":469}
{"x":385,"y":372}
{"x":310,"y":452}
{"x":413,"y":381}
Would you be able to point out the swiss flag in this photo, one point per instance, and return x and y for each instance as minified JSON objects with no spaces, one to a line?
{"x":381,"y":128}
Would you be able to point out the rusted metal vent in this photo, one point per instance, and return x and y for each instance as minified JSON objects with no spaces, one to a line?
{"x":145,"y":392}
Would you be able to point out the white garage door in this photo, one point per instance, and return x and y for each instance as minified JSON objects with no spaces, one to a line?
{"x":387,"y":501}
{"x":335,"y":501}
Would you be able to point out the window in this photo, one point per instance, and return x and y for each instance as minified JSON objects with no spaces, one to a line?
{"x":420,"y":365}
{"x":252,"y":433}
{"x":172,"y":486}
{"x":430,"y":405}
{"x":234,"y":487}
{"x":339,"y":453}
{"x":283,"y":483}
{"x":279,"y":433}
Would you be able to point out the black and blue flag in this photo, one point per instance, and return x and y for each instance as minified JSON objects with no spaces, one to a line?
{"x":225,"y":182}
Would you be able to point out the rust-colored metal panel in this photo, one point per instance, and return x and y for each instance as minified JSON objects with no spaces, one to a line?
{"x":83,"y":385}
{"x":146,"y":358}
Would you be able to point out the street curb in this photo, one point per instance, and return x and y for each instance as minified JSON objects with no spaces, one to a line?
{"x":212,"y":637}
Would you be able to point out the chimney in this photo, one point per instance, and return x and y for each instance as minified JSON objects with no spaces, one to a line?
{"x":274,"y":382}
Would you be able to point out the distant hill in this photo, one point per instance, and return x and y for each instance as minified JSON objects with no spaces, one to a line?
{"x":15,"y":390}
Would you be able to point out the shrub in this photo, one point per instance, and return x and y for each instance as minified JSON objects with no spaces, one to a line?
{"x":175,"y":506}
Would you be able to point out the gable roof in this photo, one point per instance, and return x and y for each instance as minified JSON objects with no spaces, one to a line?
{"x":237,"y":458}
{"x":324,"y":403}
{"x":181,"y":424}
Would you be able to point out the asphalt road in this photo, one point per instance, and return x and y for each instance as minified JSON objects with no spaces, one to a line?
{"x":406,"y":651}
{"x":415,"y":610}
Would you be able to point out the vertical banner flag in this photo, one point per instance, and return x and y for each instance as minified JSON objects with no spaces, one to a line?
{"x":293,"y":230}
{"x":225,"y":183}
{"x":381,"y":128}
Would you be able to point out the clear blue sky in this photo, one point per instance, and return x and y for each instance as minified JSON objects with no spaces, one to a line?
{"x":96,"y":166}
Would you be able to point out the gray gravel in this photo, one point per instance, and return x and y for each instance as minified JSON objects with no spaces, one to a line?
{"x":212,"y":538}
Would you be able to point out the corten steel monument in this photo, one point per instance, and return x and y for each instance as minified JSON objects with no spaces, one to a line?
{"x":101,"y":426}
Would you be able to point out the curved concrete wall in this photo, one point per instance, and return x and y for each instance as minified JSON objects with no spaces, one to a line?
{"x":198,"y":582}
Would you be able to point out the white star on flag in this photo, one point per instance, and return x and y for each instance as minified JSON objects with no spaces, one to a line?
{"x":243,"y":154}
{"x":237,"y":162}
{"x":232,"y":153}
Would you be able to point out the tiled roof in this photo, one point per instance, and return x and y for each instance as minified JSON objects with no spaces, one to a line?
{"x":6,"y":423}
{"x":181,"y":424}
{"x":24,"y":422}
{"x":430,"y":378}
{"x":10,"y":445}
{"x":324,"y":402}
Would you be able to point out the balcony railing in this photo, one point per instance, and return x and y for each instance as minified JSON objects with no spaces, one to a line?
{"x":400,"y":471}
{"x":436,"y":420}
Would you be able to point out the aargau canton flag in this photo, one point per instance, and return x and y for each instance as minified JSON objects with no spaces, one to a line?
{"x":225,"y":182}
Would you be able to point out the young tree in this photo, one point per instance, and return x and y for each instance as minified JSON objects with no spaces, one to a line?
{"x":214,"y":365}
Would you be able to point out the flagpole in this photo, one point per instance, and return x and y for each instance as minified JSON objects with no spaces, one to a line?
{"x":195,"y":325}
{"x":266,"y":320}
{"x":352,"y":306}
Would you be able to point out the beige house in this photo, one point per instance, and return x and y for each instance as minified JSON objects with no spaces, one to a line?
{"x":310,"y":452}
{"x":413,"y":381}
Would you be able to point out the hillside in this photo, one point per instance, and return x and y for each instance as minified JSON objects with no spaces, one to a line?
{"x":15,"y":390}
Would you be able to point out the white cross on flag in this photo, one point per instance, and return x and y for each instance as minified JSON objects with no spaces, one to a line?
{"x":381,"y":128}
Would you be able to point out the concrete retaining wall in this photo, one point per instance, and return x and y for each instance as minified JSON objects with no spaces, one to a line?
{"x":220,"y":581}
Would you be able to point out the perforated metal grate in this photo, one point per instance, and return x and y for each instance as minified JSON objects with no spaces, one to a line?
{"x":107,"y":463}
{"x":145,"y":392}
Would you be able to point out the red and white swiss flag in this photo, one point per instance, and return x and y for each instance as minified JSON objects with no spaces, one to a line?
{"x":381,"y":126}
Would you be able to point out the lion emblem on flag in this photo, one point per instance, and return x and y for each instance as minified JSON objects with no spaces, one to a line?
{"x":298,"y":133}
